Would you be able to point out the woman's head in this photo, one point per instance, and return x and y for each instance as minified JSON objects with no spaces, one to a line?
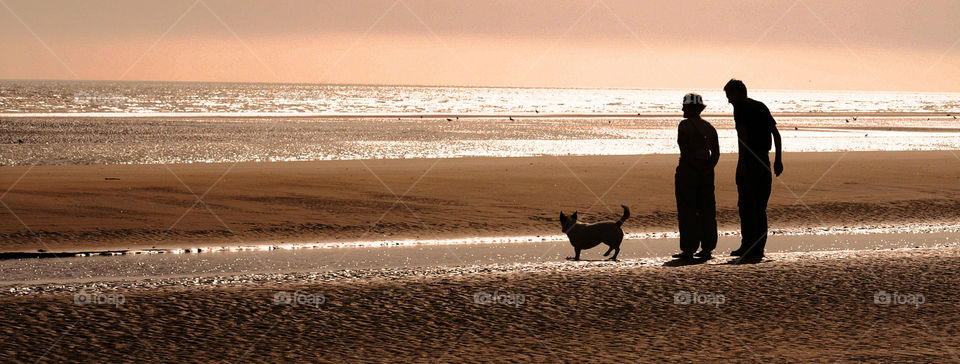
{"x":692,"y":105}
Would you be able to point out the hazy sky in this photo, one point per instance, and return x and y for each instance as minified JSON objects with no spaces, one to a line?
{"x":789,"y":44}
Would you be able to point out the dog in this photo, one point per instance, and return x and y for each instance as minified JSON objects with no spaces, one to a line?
{"x":583,"y":236}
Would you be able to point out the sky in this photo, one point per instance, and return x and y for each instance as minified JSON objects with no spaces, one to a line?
{"x":895,"y":45}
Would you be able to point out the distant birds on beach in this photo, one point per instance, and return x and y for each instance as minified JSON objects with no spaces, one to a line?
{"x":449,"y":119}
{"x":795,"y":128}
{"x":854,"y":118}
{"x":536,"y":111}
{"x":511,"y":118}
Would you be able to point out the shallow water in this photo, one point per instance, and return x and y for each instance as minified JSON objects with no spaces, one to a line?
{"x":25,"y":141}
{"x":158,"y":266}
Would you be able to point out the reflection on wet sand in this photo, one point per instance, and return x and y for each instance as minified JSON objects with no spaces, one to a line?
{"x":20,"y":274}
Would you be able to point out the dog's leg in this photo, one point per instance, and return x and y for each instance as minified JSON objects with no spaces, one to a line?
{"x":616,"y":252}
{"x":608,"y":251}
{"x":576,"y":256}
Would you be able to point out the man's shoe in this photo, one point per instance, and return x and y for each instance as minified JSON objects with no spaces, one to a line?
{"x":704,"y":254}
{"x":750,"y":259}
{"x":736,"y":253}
{"x":683,"y":256}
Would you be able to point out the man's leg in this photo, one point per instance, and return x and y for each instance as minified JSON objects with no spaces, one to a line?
{"x":745,"y":208}
{"x":763,"y":187}
{"x":686,"y":210}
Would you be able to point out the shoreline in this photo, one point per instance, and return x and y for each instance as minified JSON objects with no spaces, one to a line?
{"x":123,"y":207}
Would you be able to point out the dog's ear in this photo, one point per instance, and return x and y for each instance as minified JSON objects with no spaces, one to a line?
{"x":574,"y":216}
{"x":562,"y":216}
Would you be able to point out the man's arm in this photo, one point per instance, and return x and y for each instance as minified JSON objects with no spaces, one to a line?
{"x":777,"y":162}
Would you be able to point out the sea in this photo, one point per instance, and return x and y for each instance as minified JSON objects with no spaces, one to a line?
{"x":133,"y":122}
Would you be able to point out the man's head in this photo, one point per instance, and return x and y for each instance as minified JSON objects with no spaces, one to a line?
{"x":692,"y":105}
{"x":736,"y":91}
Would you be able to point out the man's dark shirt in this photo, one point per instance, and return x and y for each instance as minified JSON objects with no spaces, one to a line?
{"x":754,"y":127}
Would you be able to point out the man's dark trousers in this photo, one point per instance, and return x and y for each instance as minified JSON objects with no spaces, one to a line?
{"x":753,"y":192}
{"x":696,"y":206}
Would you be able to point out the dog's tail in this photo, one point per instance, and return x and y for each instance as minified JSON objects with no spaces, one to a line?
{"x":626,"y":215}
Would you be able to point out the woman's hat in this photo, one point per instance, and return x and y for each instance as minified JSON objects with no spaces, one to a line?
{"x":693,"y":99}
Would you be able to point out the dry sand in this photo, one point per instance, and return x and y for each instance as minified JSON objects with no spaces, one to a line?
{"x":136,"y":206}
{"x":798,"y":307}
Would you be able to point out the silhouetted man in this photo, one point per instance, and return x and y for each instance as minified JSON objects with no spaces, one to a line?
{"x":754,"y":125}
{"x":693,"y":183}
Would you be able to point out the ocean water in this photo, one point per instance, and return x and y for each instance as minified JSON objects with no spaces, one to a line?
{"x":62,"y":122}
{"x":161,"y":98}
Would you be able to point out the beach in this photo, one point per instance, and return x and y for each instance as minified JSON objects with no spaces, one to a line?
{"x":101,"y":207}
{"x":858,"y":268}
{"x":238,"y":239}
{"x":435,"y":237}
{"x":848,"y":306}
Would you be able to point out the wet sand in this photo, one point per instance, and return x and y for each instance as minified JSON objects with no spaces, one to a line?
{"x":58,"y":208}
{"x":849,"y":306}
{"x":164,"y":269}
